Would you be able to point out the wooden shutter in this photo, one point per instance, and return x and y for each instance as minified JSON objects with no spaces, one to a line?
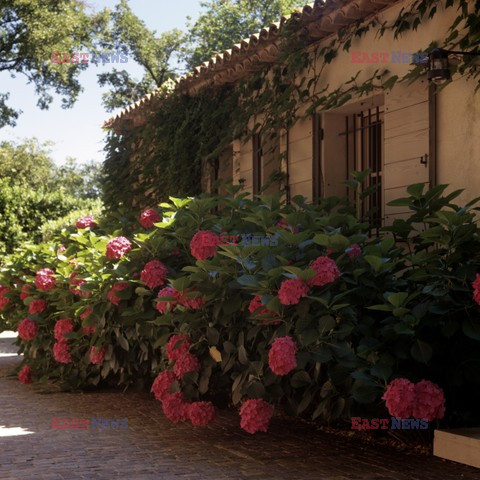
{"x":409,"y":151}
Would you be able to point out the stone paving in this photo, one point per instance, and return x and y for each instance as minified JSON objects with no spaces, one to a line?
{"x":153,"y":448}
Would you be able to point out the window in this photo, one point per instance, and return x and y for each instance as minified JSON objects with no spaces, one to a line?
{"x":257,"y":163}
{"x":363,"y":137}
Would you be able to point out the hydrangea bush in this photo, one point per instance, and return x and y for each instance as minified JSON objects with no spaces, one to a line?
{"x":328,"y":323}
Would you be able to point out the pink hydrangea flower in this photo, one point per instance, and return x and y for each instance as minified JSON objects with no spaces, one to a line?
{"x":326,"y":271}
{"x":149,"y":217}
{"x":194,"y":303}
{"x":61,"y":352}
{"x":25,"y":292}
{"x":258,"y":308}
{"x":291,"y":291}
{"x":161,"y":385}
{"x":63,"y":326}
{"x":399,"y":398}
{"x":204,"y":245}
{"x":37,"y":306}
{"x":78,"y":282}
{"x":117,"y":247}
{"x":87,"y":329}
{"x":44,"y":280}
{"x":201,"y":413}
{"x":429,"y":401}
{"x":177,"y":346}
{"x":476,"y":288}
{"x":4,"y":301}
{"x":354,"y":250}
{"x":25,"y":375}
{"x":27,"y":329}
{"x":154,"y":274}
{"x":175,"y":408}
{"x":282,"y":356}
{"x":117,"y":287}
{"x":282,"y":223}
{"x":97,"y":355}
{"x":61,"y":249}
{"x":85,"y":222}
{"x":168,"y":305}
{"x":255,"y":415}
{"x":185,"y":364}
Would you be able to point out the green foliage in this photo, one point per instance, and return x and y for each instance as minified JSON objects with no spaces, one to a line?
{"x":34,"y":191}
{"x":402,"y":307}
{"x":52,"y":228}
{"x":129,"y":35}
{"x":31,"y":30}
{"x":165,"y":157}
{"x":226,"y":22}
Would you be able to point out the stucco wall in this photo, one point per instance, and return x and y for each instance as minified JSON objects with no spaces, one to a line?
{"x":458,"y":112}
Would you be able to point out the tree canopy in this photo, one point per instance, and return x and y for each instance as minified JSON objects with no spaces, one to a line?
{"x":30,"y":31}
{"x":225,"y":22}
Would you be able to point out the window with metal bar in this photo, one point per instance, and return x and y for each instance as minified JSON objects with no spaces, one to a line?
{"x":364,"y":151}
{"x":257,"y":163}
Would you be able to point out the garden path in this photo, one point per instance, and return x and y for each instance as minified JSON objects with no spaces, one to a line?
{"x":153,"y":448}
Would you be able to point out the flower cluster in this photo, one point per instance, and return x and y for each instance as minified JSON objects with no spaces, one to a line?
{"x":4,"y":301}
{"x":85,"y":222}
{"x":177,"y":346}
{"x":117,"y":247}
{"x":201,"y":413}
{"x":168,"y":305}
{"x":175,"y":408}
{"x":353,"y":251}
{"x":37,"y":306}
{"x":63,"y":326}
{"x":326,"y":271}
{"x":25,"y":375}
{"x":78,"y":282}
{"x":149,"y":217}
{"x":185,"y":364}
{"x":282,"y":356}
{"x":44,"y":279}
{"x":154,"y":274}
{"x":476,"y":288}
{"x":25,"y":291}
{"x":204,"y":245}
{"x":423,"y":400}
{"x":97,"y":355}
{"x":61,"y":352}
{"x":117,"y":287}
{"x":179,"y":298}
{"x":291,"y":291}
{"x":161,"y":385}
{"x":255,"y":415}
{"x":87,"y":329}
{"x":27,"y":329}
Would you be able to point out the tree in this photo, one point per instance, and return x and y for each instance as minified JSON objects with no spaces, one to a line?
{"x":33,"y":191}
{"x":30,"y":31}
{"x":226,"y":22}
{"x":129,"y":35}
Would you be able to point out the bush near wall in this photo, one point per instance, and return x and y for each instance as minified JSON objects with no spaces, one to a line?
{"x":317,"y":323}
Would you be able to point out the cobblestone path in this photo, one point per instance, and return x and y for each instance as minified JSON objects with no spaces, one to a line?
{"x":153,"y":448}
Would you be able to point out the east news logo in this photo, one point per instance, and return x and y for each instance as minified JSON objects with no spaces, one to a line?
{"x":393,"y":423}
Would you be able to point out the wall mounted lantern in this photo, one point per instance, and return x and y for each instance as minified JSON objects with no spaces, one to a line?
{"x":438,"y":67}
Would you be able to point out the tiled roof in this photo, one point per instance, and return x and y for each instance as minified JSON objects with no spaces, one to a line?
{"x":321,"y":19}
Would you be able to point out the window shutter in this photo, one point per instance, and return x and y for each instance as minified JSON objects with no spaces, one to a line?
{"x":409,"y":150}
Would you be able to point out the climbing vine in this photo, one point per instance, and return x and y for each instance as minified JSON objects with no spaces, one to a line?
{"x":166,"y":155}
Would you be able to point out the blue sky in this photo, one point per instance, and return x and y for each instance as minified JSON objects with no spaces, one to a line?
{"x":77,"y":131}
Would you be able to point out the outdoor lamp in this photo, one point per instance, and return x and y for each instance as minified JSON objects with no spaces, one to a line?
{"x":438,"y":68}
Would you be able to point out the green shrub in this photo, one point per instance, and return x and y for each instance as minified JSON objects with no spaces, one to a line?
{"x":402,"y":306}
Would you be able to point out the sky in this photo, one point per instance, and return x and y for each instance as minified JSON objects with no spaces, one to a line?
{"x":77,"y":132}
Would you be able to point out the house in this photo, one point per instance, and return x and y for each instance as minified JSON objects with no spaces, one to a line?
{"x":355,"y":108}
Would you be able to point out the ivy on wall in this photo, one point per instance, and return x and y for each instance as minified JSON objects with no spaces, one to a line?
{"x":165,"y":156}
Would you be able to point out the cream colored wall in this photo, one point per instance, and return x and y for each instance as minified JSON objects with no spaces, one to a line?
{"x":458,"y":112}
{"x":458,"y":139}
